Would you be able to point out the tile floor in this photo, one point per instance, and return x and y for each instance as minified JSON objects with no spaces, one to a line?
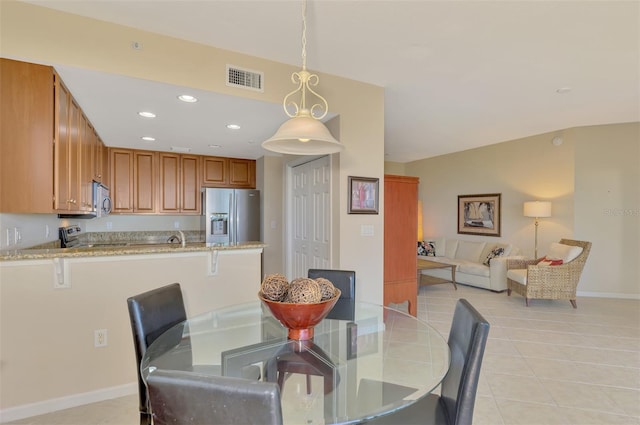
{"x":546,"y":364}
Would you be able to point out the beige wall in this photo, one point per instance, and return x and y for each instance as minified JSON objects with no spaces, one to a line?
{"x":593,"y":166}
{"x":396,"y":168}
{"x":607,"y":206}
{"x":45,"y":36}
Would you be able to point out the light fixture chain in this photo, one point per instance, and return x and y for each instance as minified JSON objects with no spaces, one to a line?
{"x":304,"y":34}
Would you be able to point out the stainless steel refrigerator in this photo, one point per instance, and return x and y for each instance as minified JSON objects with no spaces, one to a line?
{"x":231,"y":216}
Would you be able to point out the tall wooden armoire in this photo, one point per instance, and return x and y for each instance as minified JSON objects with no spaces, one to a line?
{"x":400,"y":240}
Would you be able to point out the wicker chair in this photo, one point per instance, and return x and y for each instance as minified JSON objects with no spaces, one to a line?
{"x":550,"y":282}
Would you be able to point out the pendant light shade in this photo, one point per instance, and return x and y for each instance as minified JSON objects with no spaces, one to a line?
{"x":304,"y":133}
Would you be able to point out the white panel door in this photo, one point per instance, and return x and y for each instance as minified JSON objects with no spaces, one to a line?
{"x":310,"y":214}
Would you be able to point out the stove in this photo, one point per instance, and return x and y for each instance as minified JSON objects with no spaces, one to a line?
{"x":70,"y":236}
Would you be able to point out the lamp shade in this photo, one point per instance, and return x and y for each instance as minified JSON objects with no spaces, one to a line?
{"x":303,"y":135}
{"x":537,"y":209}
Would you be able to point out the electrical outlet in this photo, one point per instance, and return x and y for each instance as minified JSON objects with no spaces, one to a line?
{"x":100,"y":338}
{"x":17,"y":233}
{"x":109,"y":225}
{"x":47,"y":231}
{"x":176,"y":224}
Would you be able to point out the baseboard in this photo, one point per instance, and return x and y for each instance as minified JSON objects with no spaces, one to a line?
{"x":608,"y":295}
{"x":55,"y":404}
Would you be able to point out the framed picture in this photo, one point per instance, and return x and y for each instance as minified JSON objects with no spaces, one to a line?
{"x":363,"y":195}
{"x":479,"y":214}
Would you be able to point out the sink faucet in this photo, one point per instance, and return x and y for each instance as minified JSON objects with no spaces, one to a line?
{"x":180,"y":239}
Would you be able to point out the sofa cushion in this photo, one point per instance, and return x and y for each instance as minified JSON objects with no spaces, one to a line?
{"x":469,"y":251}
{"x":566,"y":253}
{"x":471,"y":267}
{"x":439,"y":244}
{"x":450,"y":248}
{"x":518,"y":275}
{"x":496,"y":252}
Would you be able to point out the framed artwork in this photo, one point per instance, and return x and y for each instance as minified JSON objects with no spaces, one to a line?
{"x":363,"y":195}
{"x":479,"y":214}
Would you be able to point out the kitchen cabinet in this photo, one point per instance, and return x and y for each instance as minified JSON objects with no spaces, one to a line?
{"x":133,"y":180}
{"x":179,"y":184}
{"x":400,"y":238}
{"x":229,"y":172}
{"x":26,"y":137}
{"x":215,"y":171}
{"x":242,"y":173}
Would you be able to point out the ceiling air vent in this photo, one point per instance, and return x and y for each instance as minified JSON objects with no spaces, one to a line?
{"x":245,"y":78}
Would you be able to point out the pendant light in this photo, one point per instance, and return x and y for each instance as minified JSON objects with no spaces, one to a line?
{"x":304,"y":133}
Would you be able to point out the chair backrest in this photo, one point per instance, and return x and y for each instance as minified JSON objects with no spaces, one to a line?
{"x":467,"y":340}
{"x":345,"y":281}
{"x":151,"y":314}
{"x":179,"y":397}
{"x":581,"y":259}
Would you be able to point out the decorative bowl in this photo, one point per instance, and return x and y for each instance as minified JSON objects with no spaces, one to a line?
{"x":300,"y":318}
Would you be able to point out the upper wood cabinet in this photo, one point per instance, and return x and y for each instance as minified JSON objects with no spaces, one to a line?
{"x":400,"y":238}
{"x":242,"y":173}
{"x":179,"y":184}
{"x":215,"y":171}
{"x":133,"y":180}
{"x":228,"y":172}
{"x":26,"y":137}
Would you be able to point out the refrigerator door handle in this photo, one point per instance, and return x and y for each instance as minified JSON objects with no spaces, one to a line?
{"x":232,"y":219}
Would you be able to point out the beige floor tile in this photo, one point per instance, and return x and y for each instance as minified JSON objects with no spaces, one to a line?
{"x":520,"y":413}
{"x":519,"y":388}
{"x":627,"y":400}
{"x":486,"y":412}
{"x":583,"y":396}
{"x":506,"y":365}
{"x":590,"y":417}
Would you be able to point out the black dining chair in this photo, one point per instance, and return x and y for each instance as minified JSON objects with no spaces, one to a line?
{"x":180,"y":397}
{"x":467,"y":340}
{"x":151,"y":314}
{"x":345,"y":281}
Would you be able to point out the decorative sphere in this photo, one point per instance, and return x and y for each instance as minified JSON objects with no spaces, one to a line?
{"x":327,"y":290}
{"x":274,"y":287}
{"x":303,"y":291}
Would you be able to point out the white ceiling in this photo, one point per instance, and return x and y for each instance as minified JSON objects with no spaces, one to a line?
{"x":457,"y":74}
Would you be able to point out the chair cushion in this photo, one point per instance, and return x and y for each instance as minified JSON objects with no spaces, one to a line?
{"x":566,"y":253}
{"x":518,"y":275}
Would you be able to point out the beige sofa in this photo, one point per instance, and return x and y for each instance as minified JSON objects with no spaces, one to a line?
{"x":470,"y":259}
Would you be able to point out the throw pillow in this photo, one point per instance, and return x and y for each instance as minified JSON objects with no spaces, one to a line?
{"x":566,"y":253}
{"x":545,"y":261}
{"x":430,"y":247}
{"x":496,"y":252}
{"x":422,"y":250}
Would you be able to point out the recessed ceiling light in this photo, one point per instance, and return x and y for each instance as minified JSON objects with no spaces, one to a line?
{"x":562,"y":90}
{"x":147,"y":114}
{"x":215,"y":146}
{"x":233,"y":126}
{"x":187,"y":98}
{"x":148,"y":138}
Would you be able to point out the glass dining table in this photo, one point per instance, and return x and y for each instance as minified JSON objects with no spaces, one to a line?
{"x":400,"y":358}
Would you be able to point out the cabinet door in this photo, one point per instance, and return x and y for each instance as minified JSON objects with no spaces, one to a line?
{"x":75,"y":130}
{"x":121,"y":178}
{"x":169,"y":183}
{"x":242,"y":173}
{"x":144,"y":181}
{"x":102,"y":161}
{"x":27,"y":118}
{"x":215,"y":171}
{"x":190,"y":184}
{"x":62,"y":146}
{"x":86,"y":163}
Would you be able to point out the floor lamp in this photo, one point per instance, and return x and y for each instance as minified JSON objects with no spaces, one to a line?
{"x":537,"y":209}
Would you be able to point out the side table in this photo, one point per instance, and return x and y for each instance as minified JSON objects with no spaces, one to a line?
{"x":429,"y":265}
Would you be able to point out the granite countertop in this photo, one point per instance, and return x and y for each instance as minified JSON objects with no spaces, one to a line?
{"x":121,"y":243}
